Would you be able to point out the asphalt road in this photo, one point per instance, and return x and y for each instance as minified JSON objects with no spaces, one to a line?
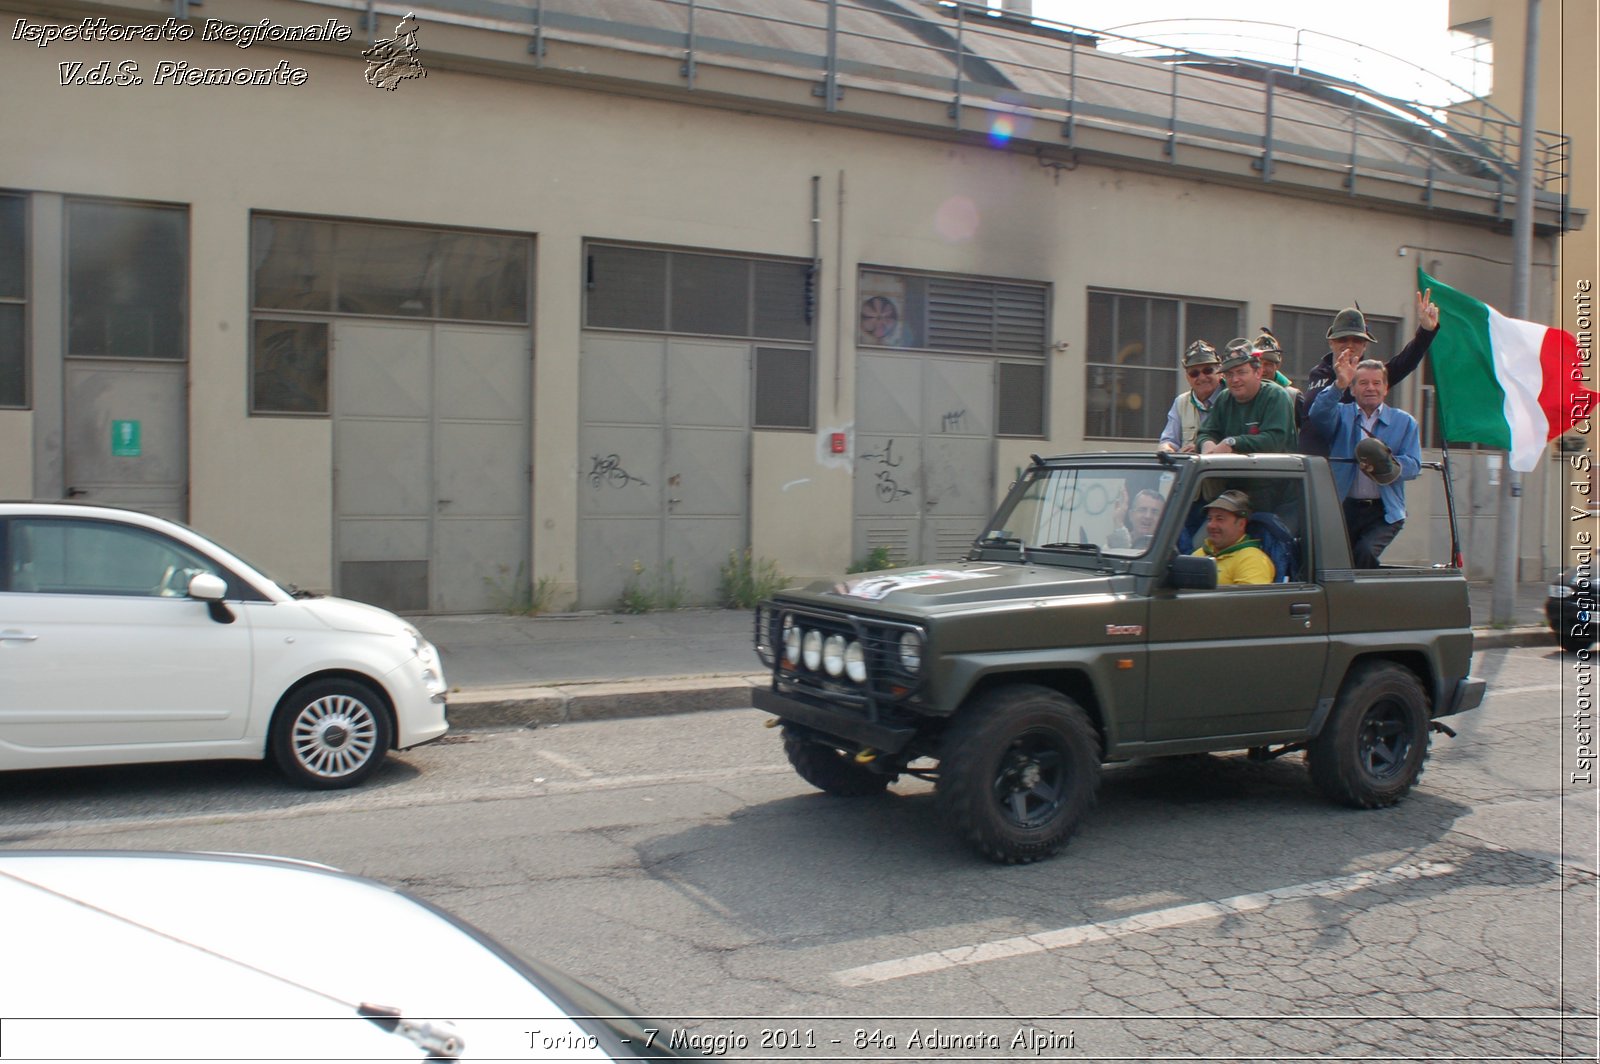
{"x":1211,"y":908}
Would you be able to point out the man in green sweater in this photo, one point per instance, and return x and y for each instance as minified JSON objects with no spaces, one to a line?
{"x":1255,"y":417}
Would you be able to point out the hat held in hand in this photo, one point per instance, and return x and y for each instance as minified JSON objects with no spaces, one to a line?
{"x":1377,"y":461}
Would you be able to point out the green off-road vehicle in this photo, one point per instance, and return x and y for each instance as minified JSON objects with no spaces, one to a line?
{"x":1070,"y":637}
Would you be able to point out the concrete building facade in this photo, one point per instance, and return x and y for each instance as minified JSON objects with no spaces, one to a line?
{"x":598,"y":297}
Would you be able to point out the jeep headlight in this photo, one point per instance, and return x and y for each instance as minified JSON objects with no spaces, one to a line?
{"x":855,"y":662}
{"x":911,"y":652}
{"x":791,"y":639}
{"x":1560,"y":591}
{"x":811,"y":649}
{"x":833,"y":655}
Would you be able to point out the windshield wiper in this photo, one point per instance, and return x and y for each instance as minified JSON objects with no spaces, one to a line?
{"x":438,"y":1038}
{"x":1082,"y":548}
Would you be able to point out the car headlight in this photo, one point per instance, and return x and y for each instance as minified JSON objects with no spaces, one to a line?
{"x":833,"y":655}
{"x":911,"y":652}
{"x":855,"y":662}
{"x":1560,"y":591}
{"x":791,"y":640}
{"x":811,"y":649}
{"x":420,"y":647}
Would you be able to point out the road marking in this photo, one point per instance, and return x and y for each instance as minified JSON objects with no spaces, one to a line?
{"x":1155,"y":920}
{"x":335,"y":803}
{"x":566,"y":763}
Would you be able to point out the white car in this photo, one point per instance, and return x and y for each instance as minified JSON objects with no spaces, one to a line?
{"x":126,"y":638}
{"x":173,"y":956}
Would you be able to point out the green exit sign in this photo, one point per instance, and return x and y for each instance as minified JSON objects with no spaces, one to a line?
{"x":125,"y":439}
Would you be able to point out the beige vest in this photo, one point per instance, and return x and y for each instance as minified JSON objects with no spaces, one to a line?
{"x":1190,"y":418}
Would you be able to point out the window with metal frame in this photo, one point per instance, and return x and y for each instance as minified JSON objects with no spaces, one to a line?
{"x":127,"y":281}
{"x":1135,"y":346}
{"x":13,"y":300}
{"x":966,"y":315}
{"x":707,"y":294}
{"x":696,"y":293}
{"x":308,"y":271}
{"x":783,"y":398}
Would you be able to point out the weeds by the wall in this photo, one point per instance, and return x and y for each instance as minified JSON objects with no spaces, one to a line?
{"x":514,"y":593}
{"x":643,"y":594}
{"x":877,"y":558}
{"x":747,"y":580}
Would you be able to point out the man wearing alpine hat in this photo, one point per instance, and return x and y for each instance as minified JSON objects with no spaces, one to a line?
{"x":1255,"y":417}
{"x":1348,"y":336}
{"x":1190,"y":408}
{"x":1270,"y":352}
{"x":1374,"y":449}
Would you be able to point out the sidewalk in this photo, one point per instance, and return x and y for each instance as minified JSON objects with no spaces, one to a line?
{"x":517,"y":672}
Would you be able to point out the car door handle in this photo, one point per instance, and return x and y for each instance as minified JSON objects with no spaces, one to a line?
{"x":1300,"y":609}
{"x":12,"y":635}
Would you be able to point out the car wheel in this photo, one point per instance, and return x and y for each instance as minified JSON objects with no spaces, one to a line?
{"x":1371,"y":750}
{"x":1574,"y":642}
{"x":832,"y":770}
{"x":330,"y":733}
{"x":1019,"y":769}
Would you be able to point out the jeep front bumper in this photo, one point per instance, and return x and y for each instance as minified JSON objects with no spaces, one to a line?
{"x":820,"y":717}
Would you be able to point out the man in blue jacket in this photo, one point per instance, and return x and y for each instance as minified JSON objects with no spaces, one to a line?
{"x":1371,"y":475}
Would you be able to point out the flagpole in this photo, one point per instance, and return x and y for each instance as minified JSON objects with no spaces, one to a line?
{"x":1502,"y":604}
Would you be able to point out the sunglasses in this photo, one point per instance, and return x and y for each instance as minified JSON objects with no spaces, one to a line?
{"x":1202,"y":371}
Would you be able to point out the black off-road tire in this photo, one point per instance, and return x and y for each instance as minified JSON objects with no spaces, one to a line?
{"x":1019,"y":769}
{"x":1576,"y":644}
{"x":831,"y":770}
{"x":1371,"y":750}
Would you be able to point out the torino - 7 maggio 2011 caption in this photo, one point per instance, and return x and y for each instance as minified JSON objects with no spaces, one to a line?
{"x":177,"y":72}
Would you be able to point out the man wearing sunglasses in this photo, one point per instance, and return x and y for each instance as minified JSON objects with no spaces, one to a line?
{"x":1189,"y":410}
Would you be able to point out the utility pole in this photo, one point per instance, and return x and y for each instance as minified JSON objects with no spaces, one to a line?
{"x":1502,"y":605}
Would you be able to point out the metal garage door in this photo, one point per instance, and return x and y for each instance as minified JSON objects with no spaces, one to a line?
{"x":431,"y":464}
{"x":663,"y":465}
{"x":126,"y":434}
{"x":924,"y":482}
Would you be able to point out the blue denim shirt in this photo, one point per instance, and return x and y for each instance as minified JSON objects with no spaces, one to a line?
{"x":1340,"y":424}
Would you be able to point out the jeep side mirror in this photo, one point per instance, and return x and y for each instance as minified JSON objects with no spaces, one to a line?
{"x":1193,"y":571}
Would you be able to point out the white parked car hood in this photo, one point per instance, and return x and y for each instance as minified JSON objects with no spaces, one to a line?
{"x":188,"y":956}
{"x":347,"y":615}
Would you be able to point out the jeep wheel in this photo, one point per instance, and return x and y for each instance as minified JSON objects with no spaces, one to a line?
{"x":1019,"y":770}
{"x":1371,"y":750}
{"x":1574,"y":643}
{"x":832,"y":770}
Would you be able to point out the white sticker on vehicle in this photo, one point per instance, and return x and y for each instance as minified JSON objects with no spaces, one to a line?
{"x":876,"y":587}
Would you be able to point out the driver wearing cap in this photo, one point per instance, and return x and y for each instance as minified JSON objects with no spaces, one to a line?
{"x":1374,"y":449}
{"x":1240,"y":559}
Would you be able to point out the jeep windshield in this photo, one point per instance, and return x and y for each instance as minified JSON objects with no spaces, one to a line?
{"x":1066,"y":515}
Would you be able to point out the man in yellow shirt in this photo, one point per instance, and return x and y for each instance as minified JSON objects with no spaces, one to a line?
{"x":1240,"y":559}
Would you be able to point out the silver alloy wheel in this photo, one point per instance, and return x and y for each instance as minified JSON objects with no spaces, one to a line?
{"x":334,"y":736}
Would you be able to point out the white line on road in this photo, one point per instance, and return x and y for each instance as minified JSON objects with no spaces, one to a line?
{"x":1044,"y":941}
{"x":564,"y":762}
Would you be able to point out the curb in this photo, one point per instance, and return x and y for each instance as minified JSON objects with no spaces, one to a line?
{"x":530,"y":707}
{"x":495,"y":708}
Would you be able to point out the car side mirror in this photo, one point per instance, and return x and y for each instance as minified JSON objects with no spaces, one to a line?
{"x":211,"y":589}
{"x":207,"y":587}
{"x":1193,"y":571}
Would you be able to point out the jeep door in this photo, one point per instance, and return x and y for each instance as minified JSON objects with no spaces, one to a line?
{"x":1245,"y":659}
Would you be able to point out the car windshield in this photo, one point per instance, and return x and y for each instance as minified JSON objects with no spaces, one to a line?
{"x":1095,"y":511}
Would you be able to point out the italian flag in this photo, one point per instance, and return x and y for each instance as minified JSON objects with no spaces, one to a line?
{"x":1502,"y":382}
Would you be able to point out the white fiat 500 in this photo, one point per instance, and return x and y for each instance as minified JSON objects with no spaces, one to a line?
{"x":202,"y":956}
{"x":127,"y":638}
